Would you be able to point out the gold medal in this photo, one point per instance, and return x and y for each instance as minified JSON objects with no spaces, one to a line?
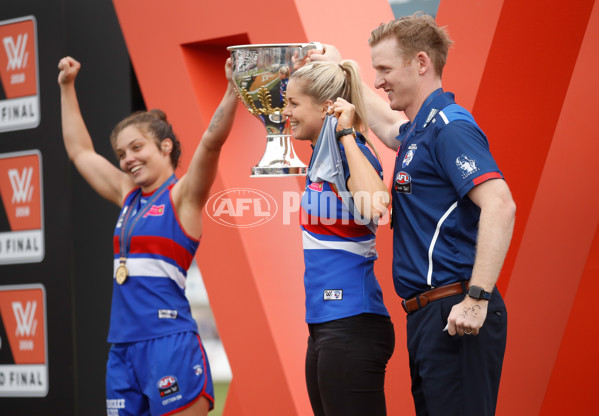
{"x":121,"y":274}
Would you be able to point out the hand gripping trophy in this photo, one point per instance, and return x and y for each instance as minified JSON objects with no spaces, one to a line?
{"x":261,"y":73}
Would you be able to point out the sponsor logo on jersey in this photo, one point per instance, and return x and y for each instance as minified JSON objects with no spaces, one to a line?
{"x":333,"y":294}
{"x":113,"y":406}
{"x":167,"y":314}
{"x":431,"y":114}
{"x":403,"y":183}
{"x":316,"y":186}
{"x":155,"y":211}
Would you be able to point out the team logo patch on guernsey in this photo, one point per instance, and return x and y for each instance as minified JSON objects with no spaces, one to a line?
{"x":409,"y":155}
{"x":333,"y":294}
{"x":167,"y":386}
{"x":407,"y":158}
{"x":403,"y":183}
{"x":198,"y":369}
{"x":466,"y":165}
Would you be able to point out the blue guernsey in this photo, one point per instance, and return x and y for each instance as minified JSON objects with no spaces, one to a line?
{"x":339,"y":253}
{"x":151,"y":302}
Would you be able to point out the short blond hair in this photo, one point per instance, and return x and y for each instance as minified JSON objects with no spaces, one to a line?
{"x":415,"y":33}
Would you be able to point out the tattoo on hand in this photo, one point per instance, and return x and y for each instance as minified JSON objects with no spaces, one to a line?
{"x":472,"y":310}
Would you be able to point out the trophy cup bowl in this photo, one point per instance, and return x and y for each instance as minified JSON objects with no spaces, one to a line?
{"x":261,"y":74}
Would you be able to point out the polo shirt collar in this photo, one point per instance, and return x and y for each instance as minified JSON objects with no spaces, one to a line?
{"x":434,"y":103}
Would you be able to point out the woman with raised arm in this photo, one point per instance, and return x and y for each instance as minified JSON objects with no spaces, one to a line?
{"x":351,"y":335}
{"x":157,"y":363}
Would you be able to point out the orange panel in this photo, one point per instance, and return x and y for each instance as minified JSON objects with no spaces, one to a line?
{"x":532,"y":100}
{"x":573,"y":381}
{"x":558,"y":235}
{"x":472,"y":43}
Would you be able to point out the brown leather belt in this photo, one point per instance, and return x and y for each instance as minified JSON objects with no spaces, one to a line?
{"x":423,"y":299}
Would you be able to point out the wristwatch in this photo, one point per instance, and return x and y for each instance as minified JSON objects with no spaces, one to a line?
{"x":477,"y":292}
{"x":345,"y":132}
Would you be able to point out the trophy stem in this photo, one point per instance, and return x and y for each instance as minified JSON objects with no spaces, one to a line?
{"x":279,"y":158}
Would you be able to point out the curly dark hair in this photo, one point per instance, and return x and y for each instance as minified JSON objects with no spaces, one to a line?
{"x":152,"y":122}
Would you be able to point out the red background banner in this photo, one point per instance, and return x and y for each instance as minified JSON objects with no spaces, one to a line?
{"x":527,"y":71}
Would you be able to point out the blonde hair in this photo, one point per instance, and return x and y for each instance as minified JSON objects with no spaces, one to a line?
{"x":329,"y":81}
{"x":416,"y":33}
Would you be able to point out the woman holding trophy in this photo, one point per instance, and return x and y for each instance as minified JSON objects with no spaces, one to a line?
{"x":157,"y":363}
{"x":351,"y":335}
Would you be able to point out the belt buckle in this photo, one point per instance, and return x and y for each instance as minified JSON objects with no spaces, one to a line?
{"x":403,"y":304}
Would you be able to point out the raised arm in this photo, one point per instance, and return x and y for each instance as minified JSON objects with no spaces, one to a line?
{"x":382,"y":120}
{"x":193,"y":189}
{"x":368,"y":189}
{"x":103,"y":176}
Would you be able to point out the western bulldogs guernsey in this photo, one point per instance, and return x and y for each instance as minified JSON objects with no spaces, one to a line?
{"x":339,"y":254}
{"x":443,"y":154}
{"x":151,"y":302}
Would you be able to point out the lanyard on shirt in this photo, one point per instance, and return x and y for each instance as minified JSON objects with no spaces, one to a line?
{"x":128,"y":224}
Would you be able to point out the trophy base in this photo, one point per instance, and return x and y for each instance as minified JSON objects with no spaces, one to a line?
{"x":271,"y":171}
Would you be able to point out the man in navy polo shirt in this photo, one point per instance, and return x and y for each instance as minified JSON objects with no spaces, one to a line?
{"x":452,"y":219}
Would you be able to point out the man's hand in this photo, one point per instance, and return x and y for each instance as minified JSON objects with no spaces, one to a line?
{"x":328,"y":53}
{"x":467,"y":317}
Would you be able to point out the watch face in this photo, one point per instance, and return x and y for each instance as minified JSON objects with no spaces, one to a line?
{"x":477,"y":292}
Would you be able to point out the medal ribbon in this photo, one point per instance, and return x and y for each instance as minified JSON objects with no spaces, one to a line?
{"x":129,"y":223}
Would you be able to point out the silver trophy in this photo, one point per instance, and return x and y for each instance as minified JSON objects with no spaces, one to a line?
{"x":261,"y":74}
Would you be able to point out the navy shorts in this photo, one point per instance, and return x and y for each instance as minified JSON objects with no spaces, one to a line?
{"x":157,"y":376}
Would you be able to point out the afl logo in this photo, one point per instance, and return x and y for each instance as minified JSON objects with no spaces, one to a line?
{"x":167,"y":386}
{"x":241,"y":207}
{"x":166,"y":382}
{"x":403,"y":183}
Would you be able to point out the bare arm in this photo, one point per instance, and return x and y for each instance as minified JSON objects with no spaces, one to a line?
{"x":368,"y":189}
{"x":103,"y":176}
{"x":495,"y":228}
{"x":382,"y":120}
{"x":191,"y":193}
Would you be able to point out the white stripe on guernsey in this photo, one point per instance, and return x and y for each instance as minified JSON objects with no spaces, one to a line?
{"x":429,"y":275}
{"x":361,"y":248}
{"x":153,"y":268}
{"x":444,"y":117}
